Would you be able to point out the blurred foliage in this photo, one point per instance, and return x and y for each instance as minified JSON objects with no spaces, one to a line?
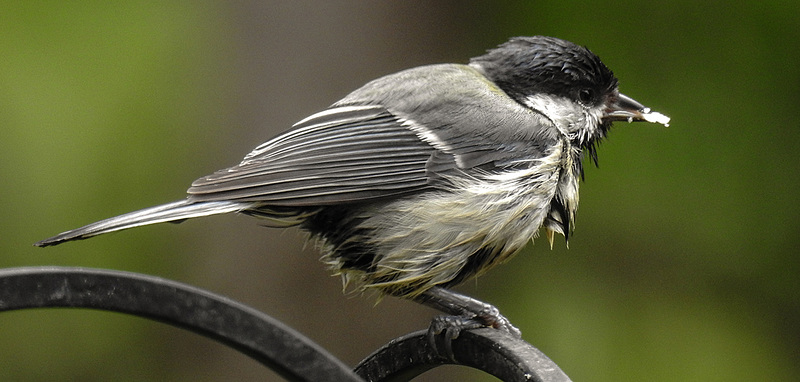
{"x":683,"y":266}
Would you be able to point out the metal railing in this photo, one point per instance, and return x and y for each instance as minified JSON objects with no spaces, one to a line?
{"x":261,"y":337}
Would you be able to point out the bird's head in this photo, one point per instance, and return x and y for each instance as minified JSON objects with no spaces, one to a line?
{"x":566,"y":83}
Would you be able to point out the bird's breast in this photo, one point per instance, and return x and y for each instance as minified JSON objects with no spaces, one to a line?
{"x":445,"y":236}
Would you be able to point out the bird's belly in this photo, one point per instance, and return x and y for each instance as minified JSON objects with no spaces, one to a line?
{"x":442,"y":238}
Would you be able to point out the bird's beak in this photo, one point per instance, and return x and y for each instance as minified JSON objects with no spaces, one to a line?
{"x":628,"y":109}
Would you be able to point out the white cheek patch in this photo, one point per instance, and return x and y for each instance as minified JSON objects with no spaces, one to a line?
{"x":572,"y":119}
{"x":563,"y":112}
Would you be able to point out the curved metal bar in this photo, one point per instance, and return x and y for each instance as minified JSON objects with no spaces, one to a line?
{"x":245,"y":329}
{"x":490,"y":350}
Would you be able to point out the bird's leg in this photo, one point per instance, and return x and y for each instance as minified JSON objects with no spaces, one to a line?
{"x":457,"y":304}
{"x":465,"y":313}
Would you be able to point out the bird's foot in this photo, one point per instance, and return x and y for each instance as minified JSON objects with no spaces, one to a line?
{"x":472,"y":314}
{"x":446,"y":329}
{"x":491,"y":317}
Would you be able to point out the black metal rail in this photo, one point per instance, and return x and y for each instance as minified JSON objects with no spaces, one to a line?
{"x":260,"y":336}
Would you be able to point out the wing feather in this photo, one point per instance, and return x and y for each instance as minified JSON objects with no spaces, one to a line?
{"x":435,"y":121}
{"x":343,"y":154}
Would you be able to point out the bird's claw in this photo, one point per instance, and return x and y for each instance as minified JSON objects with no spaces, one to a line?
{"x":465,"y":313}
{"x":451,"y":327}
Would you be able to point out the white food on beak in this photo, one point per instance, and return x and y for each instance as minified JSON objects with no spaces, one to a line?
{"x":655,"y":117}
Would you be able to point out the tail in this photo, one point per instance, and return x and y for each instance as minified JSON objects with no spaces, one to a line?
{"x":170,"y":212}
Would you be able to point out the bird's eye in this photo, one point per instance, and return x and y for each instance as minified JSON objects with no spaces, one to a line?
{"x":586,"y":96}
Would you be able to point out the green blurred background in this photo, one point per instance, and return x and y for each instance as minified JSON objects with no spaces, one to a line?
{"x":683,"y":267}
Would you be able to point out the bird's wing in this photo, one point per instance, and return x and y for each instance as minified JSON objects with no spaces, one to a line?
{"x":358,"y":150}
{"x":340,"y":155}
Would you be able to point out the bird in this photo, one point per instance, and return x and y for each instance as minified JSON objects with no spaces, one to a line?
{"x":425,"y":178}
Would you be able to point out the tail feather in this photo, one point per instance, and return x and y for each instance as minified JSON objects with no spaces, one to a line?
{"x":170,"y":212}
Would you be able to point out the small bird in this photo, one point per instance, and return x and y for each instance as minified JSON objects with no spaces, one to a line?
{"x":427,"y":177}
